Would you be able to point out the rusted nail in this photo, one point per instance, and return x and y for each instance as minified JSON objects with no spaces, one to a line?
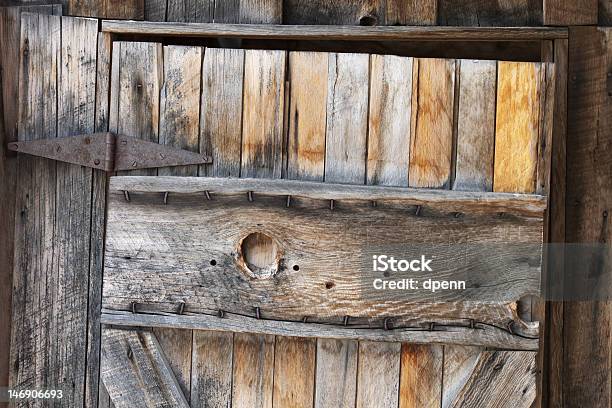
{"x":97,"y":162}
{"x":418,"y":210}
{"x":221,"y":314}
{"x":472,"y":324}
{"x":126,"y":194}
{"x":166,"y":197}
{"x":288,"y":201}
{"x":346,"y":320}
{"x":305,"y":319}
{"x":250,"y":196}
{"x":432,"y":326}
{"x":181,"y":309}
{"x":332,"y":204}
{"x":509,"y":326}
{"x":130,"y":353}
{"x":133,"y":307}
{"x":207,"y":195}
{"x":457,"y":214}
{"x":386,"y":323}
{"x":374,"y":204}
{"x":257,"y":313}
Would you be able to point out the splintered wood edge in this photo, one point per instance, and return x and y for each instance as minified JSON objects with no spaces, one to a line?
{"x":347,"y":33}
{"x":529,"y":205}
{"x":482,"y":335}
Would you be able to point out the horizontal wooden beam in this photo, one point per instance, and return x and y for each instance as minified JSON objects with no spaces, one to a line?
{"x":527,"y":205}
{"x":480,"y":334}
{"x":337,"y":33}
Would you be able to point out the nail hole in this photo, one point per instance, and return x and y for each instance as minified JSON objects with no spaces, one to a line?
{"x":296,"y":267}
{"x":213,"y":262}
{"x":329,"y":285}
{"x":368,"y":20}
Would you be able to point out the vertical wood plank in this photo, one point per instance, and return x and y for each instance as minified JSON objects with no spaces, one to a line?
{"x":421,"y":376}
{"x":347,"y":118}
{"x":378,"y":374}
{"x":253,"y":370}
{"x":211,"y":376}
{"x":221,"y":116}
{"x":431,"y":144}
{"x":389,"y":120}
{"x":10,"y":29}
{"x":190,"y":11}
{"x":307,"y":115}
{"x":345,"y":162}
{"x":135,"y":92}
{"x":587,"y":325}
{"x":476,"y":126}
{"x":261,"y":11}
{"x":490,"y":13}
{"x":126,"y":10}
{"x":605,"y":12}
{"x":227,"y":11}
{"x":338,"y":12}
{"x":564,"y":13}
{"x":517,"y":127}
{"x":155,"y":10}
{"x":262,"y":157}
{"x":411,"y":12}
{"x":459,"y":364}
{"x":263,"y":109}
{"x":294,"y":370}
{"x":35,"y":205}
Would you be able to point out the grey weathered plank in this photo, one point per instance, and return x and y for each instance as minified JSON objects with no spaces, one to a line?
{"x":476,"y":126}
{"x":135,"y":91}
{"x":432,"y":123}
{"x":421,"y":375}
{"x":211,"y":371}
{"x":263,"y":110}
{"x":336,"y":378}
{"x":347,"y":118}
{"x":155,"y":10}
{"x":495,"y":13}
{"x":378,"y":374}
{"x":260,"y":11}
{"x":190,"y":11}
{"x":348,"y":33}
{"x":500,"y":379}
{"x":221,"y":115}
{"x":135,"y":371}
{"x":605,"y":13}
{"x":459,"y":364}
{"x":389,"y":120}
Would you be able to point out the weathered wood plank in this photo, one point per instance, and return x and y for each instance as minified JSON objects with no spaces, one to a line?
{"x":211,"y":373}
{"x":500,"y":379}
{"x":122,"y":9}
{"x":190,"y":11}
{"x":263,"y":109}
{"x":378,"y":374}
{"x":336,"y":378}
{"x":34,"y":266}
{"x":517,"y":129}
{"x":155,"y":10}
{"x":348,"y":33}
{"x":476,"y":126}
{"x":570,"y":13}
{"x":490,"y":13}
{"x":411,"y":12}
{"x":459,"y":364}
{"x":308,"y":73}
{"x":221,"y":115}
{"x":342,"y":12}
{"x":587,"y":325}
{"x":347,"y":118}
{"x":421,"y":375}
{"x":261,"y":11}
{"x":605,"y":12}
{"x":176,"y":345}
{"x":10,"y":29}
{"x":135,"y":371}
{"x":253,"y":370}
{"x":431,"y":141}
{"x":294,"y":371}
{"x":135,"y":90}
{"x":389,"y":120}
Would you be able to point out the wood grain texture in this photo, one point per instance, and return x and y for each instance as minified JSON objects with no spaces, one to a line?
{"x":135,"y":92}
{"x":494,"y":13}
{"x":155,"y":10}
{"x":389,"y":120}
{"x":411,"y":12}
{"x":605,"y":12}
{"x":498,"y":375}
{"x":308,"y":74}
{"x":294,"y":371}
{"x":10,"y":29}
{"x":261,"y":11}
{"x":378,"y":374}
{"x":431,"y":142}
{"x":190,"y":11}
{"x":135,"y":370}
{"x":221,"y":111}
{"x":253,"y":370}
{"x":211,"y":375}
{"x":421,"y":375}
{"x":347,"y":118}
{"x":476,"y":126}
{"x":566,"y":13}
{"x":517,"y":127}
{"x":114,"y":9}
{"x":586,"y":329}
{"x":343,"y":12}
{"x":459,"y":364}
{"x":343,"y":32}
{"x":263,"y":109}
{"x":336,"y":378}
{"x":176,"y":345}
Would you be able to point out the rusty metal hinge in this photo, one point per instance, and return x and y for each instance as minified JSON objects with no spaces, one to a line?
{"x":109,"y":152}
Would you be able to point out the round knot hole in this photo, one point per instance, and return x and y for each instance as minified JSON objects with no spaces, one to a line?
{"x":259,"y":255}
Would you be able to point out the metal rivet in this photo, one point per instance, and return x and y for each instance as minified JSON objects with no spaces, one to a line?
{"x":126,"y":194}
{"x":418,"y":210}
{"x":432,"y":326}
{"x":288,"y":201}
{"x":257,"y":313}
{"x":221,"y":314}
{"x":305,"y":319}
{"x":181,"y":308}
{"x":250,"y":196}
{"x":332,"y":204}
{"x":133,"y":307}
{"x":207,"y":195}
{"x":166,"y":197}
{"x":509,"y":326}
{"x":345,"y":321}
{"x":386,"y":324}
